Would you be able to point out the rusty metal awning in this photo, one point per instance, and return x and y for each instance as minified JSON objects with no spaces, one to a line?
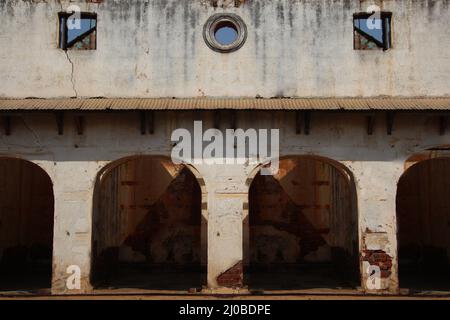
{"x":349,"y":104}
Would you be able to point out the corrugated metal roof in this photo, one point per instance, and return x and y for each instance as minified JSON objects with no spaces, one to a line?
{"x":237,"y":104}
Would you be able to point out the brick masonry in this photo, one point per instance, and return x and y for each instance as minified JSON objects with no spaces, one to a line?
{"x":233,"y":277}
{"x":379,"y":258}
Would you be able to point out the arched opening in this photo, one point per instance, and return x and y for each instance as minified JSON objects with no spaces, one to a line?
{"x":303,"y":228}
{"x":148,"y":231}
{"x":26,"y":226}
{"x":423,"y":223}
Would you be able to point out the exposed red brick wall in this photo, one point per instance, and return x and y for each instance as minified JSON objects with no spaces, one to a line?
{"x":233,"y":277}
{"x":379,"y":258}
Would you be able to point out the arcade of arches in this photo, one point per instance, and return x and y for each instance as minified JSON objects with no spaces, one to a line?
{"x":149,"y":231}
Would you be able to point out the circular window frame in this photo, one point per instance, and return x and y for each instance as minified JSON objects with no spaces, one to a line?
{"x":215,"y":21}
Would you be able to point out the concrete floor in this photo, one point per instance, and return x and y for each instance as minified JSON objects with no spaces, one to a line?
{"x":138,"y":278}
{"x":299,"y":277}
{"x":322,"y":284}
{"x":35,"y":281}
{"x":221,"y":297}
{"x":429,"y":281}
{"x":310,"y":294}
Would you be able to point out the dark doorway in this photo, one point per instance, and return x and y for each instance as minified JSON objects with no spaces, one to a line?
{"x":303,"y":228}
{"x":423,"y":219}
{"x":26,"y":226}
{"x":147,"y":227}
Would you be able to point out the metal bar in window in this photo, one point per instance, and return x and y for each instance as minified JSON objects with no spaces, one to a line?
{"x":64,"y":33}
{"x":385,"y":33}
{"x":80,"y":37}
{"x":369,"y":37}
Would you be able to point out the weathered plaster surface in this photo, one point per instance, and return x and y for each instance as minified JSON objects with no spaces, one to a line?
{"x":73,"y":162}
{"x":155,"y":48}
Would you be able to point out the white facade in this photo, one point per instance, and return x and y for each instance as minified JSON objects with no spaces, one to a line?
{"x":156,"y":49}
{"x":151,"y":49}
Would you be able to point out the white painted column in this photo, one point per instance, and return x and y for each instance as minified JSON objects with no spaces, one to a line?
{"x":73,"y":191}
{"x":226,"y":197}
{"x":376,"y":183}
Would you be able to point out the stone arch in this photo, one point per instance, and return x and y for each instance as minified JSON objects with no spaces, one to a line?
{"x":158,"y":188}
{"x":26,"y":225}
{"x":340,"y":180}
{"x":423,"y":215}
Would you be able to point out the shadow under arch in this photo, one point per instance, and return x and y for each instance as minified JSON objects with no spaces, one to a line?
{"x":423,"y":215}
{"x":26,"y":226}
{"x":301,"y":226}
{"x":163,"y":208}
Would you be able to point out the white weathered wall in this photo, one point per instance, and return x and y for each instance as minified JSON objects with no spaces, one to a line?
{"x":73,"y":162}
{"x":156,"y":49}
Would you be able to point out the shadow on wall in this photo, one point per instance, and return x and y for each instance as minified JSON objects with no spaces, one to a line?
{"x":303,"y":229}
{"x":147,"y":227}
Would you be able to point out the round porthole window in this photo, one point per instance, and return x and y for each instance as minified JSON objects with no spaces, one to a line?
{"x":225,"y":32}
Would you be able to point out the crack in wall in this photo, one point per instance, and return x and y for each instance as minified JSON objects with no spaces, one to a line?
{"x":72,"y":80}
{"x":71,"y":74}
{"x":38,"y":141}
